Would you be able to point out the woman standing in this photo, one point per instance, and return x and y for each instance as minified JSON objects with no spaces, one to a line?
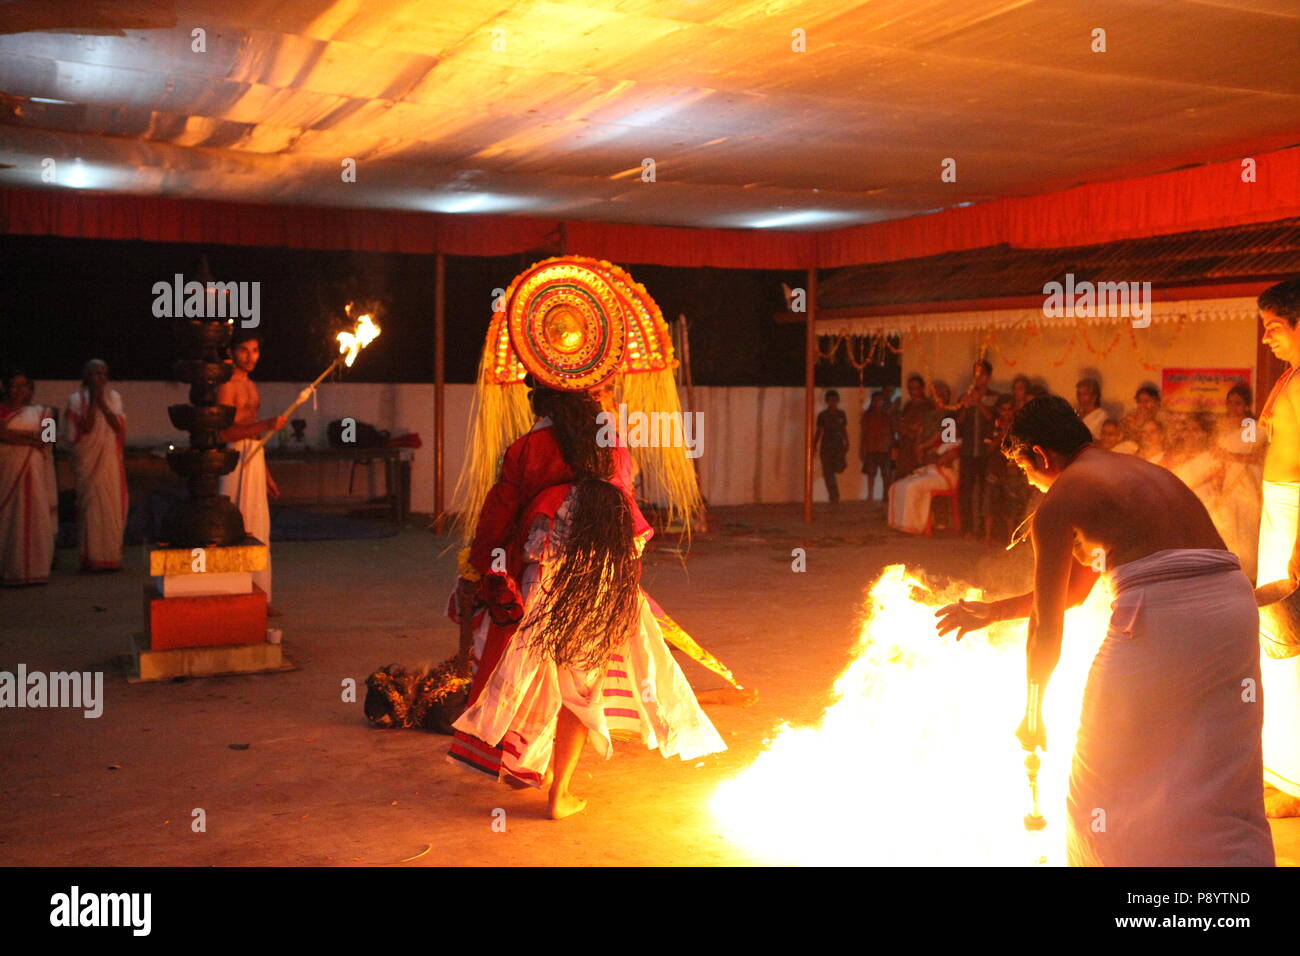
{"x":1240,"y":498}
{"x":97,"y":427}
{"x":29,"y":502}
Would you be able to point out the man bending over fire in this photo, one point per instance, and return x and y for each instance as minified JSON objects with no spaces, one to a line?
{"x":1167,"y":765}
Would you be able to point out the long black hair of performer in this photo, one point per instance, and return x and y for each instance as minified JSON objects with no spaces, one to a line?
{"x":591,"y":600}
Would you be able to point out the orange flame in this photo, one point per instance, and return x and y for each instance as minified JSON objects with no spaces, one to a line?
{"x":351,"y":343}
{"x":915,"y":762}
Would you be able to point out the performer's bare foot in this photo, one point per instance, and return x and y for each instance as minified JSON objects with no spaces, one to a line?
{"x":570,"y":734}
{"x":563,"y":805}
{"x":1279,"y":805}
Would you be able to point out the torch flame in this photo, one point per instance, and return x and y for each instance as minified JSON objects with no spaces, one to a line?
{"x":351,"y":343}
{"x":915,"y":762}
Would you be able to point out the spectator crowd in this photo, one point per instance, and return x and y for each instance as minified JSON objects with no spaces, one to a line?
{"x":925,"y":443}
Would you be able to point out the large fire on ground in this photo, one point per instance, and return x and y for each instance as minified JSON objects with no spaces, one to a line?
{"x":915,"y":760}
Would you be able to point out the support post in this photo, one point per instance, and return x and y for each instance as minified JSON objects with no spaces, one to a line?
{"x":810,"y":396}
{"x":439,"y":390}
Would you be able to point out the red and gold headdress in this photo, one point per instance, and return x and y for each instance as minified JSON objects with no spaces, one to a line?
{"x":575,"y":324}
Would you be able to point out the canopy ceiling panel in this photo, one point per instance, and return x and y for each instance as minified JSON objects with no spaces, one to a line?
{"x":549,"y":107}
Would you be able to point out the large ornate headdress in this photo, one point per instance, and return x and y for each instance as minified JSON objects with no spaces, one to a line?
{"x":575,"y":324}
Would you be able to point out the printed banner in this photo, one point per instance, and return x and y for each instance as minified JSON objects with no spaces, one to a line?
{"x":1199,"y":389}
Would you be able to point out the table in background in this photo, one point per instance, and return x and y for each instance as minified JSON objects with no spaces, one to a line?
{"x":397,"y":468}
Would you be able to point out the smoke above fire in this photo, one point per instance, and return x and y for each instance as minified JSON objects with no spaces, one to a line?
{"x":915,"y":762}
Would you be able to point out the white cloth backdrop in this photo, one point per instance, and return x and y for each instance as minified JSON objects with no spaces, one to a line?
{"x":752,"y":437}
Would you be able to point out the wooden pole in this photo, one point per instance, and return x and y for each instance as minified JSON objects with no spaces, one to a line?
{"x":809,"y":359}
{"x":439,"y":388}
{"x":297,"y":402}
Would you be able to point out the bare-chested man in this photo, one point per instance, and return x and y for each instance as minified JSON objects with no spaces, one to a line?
{"x":250,"y":483}
{"x":1167,"y":766}
{"x":1279,"y":542}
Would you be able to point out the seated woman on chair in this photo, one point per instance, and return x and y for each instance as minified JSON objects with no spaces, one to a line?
{"x":909,"y":498}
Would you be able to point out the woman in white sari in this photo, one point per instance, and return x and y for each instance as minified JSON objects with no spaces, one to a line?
{"x":1237,"y":510}
{"x":97,"y":427}
{"x":28,"y":495}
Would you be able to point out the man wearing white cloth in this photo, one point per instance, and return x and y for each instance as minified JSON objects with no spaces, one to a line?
{"x":908,"y":501}
{"x":249,"y":485}
{"x":1279,"y":542}
{"x":1167,"y":763}
{"x":96,"y":425}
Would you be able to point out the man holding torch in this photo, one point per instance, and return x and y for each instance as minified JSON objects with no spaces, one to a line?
{"x":1167,"y":764}
{"x":250,"y":484}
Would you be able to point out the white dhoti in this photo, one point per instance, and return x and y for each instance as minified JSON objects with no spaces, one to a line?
{"x":246,"y":487}
{"x":909,"y":498}
{"x":28,"y":504}
{"x":1167,"y":764}
{"x":1281,"y":678}
{"x":641,"y":693}
{"x":101,"y":480}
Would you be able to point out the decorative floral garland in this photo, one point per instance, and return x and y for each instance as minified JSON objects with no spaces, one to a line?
{"x":861,"y":351}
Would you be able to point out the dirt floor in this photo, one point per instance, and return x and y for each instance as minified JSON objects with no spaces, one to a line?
{"x":289,"y":774}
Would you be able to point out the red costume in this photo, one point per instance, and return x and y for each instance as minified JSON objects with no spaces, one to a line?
{"x":534,"y":482}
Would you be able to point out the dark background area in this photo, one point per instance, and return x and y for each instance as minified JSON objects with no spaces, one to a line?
{"x":63,"y":301}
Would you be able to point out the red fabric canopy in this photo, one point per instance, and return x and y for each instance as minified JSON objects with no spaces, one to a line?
{"x":1206,"y":197}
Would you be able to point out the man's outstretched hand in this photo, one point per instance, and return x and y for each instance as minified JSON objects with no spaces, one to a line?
{"x":963,"y":617}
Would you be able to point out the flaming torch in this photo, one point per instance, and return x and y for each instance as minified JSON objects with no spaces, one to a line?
{"x":350,"y":345}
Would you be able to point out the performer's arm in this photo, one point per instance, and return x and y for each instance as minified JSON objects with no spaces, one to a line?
{"x":227,"y":396}
{"x":240,"y":432}
{"x":1053,"y":537}
{"x":967,"y":616}
{"x":499,"y":513}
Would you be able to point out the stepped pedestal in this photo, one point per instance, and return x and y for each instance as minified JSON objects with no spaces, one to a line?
{"x":203,"y":616}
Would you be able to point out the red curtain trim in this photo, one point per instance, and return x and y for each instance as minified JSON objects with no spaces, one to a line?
{"x":1206,"y":197}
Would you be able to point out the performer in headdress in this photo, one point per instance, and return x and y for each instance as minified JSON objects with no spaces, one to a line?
{"x":96,"y":425}
{"x":29,"y":501}
{"x":566,"y":646}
